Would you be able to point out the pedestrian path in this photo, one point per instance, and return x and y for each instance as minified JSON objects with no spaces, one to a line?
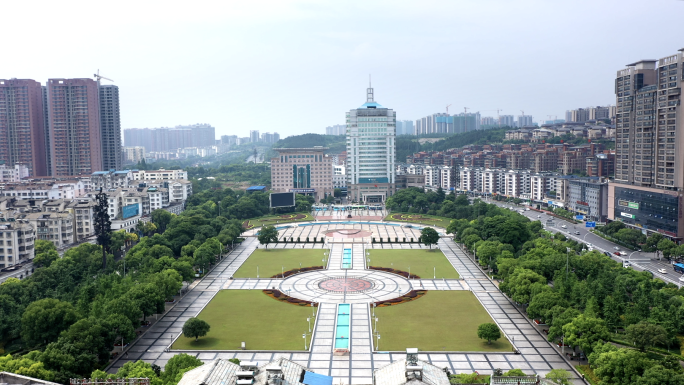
{"x":252,"y":283}
{"x":336,"y":252}
{"x":358,"y":256}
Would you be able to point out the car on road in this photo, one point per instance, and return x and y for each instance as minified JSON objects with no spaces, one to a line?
{"x":564,"y":226}
{"x":527,"y":209}
{"x":577,"y":233}
{"x":662,"y":271}
{"x":626,"y":264}
{"x":616,"y":248}
{"x":622,"y":253}
{"x":617,"y":253}
{"x":538,"y":216}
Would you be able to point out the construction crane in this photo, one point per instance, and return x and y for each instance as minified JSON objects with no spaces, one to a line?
{"x":98,"y":77}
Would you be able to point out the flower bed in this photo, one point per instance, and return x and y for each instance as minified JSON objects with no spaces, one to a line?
{"x":285,"y":218}
{"x":277,"y":294}
{"x":394,"y":271}
{"x":409,"y":217}
{"x":298,"y":270}
{"x":408,"y":297}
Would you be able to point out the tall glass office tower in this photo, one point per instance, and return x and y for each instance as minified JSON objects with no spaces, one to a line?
{"x":371,"y":151}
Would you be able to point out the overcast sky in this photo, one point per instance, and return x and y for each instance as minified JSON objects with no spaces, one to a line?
{"x":296,"y":67}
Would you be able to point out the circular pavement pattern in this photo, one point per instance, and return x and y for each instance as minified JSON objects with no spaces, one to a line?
{"x":345,"y":284}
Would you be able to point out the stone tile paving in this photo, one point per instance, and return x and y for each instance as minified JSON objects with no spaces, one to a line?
{"x":536,"y":354}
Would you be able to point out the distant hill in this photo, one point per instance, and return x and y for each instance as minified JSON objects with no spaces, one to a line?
{"x":335,"y":143}
{"x":408,"y":144}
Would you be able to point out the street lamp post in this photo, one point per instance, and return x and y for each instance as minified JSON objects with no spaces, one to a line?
{"x":308,"y":319}
{"x":567,"y":262}
{"x":304,"y":336}
{"x":124,"y":261}
{"x":257,"y":271}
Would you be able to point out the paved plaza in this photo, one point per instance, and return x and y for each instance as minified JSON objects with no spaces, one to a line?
{"x":358,"y":286}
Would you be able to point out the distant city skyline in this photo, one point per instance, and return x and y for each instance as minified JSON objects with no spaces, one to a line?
{"x":180,"y":65}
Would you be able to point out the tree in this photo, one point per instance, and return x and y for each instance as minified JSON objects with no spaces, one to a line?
{"x":161,"y":218}
{"x":429,"y":236}
{"x":543,"y":302}
{"x":102,"y":225}
{"x":44,"y":319}
{"x":195,"y":327}
{"x":514,"y":373}
{"x":518,"y":284}
{"x":659,"y":375}
{"x":614,"y":366}
{"x":462,"y":200}
{"x":667,"y":247}
{"x":27,"y":365}
{"x":646,"y":334}
{"x":585,"y":331}
{"x":559,"y":376}
{"x":177,"y":365}
{"x":267,"y":234}
{"x":45,"y":259}
{"x":489,"y":332}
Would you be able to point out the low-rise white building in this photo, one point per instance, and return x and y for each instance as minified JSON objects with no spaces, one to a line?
{"x":56,"y":227}
{"x":13,"y":174}
{"x":17,"y":239}
{"x":160,"y":174}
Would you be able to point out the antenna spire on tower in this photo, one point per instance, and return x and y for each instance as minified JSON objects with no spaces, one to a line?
{"x":369,"y":91}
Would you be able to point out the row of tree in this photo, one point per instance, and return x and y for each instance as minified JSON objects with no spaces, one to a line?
{"x":71,"y":311}
{"x":584,"y":297}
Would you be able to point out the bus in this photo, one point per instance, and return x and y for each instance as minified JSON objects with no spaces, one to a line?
{"x":679,"y":268}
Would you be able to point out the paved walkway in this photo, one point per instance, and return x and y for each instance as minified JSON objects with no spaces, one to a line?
{"x":537,"y":355}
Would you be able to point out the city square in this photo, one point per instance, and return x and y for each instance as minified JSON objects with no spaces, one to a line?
{"x":522,"y":346}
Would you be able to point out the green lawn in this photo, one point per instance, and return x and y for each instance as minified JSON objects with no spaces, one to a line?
{"x":431,"y":220}
{"x":277,"y":219}
{"x":270,"y":261}
{"x":438,"y":321}
{"x":421,"y":262}
{"x":263,"y":323}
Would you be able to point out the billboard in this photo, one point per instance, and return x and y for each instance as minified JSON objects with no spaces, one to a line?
{"x":631,"y":205}
{"x":579,"y":217}
{"x":627,"y":215}
{"x":282,"y":199}
{"x":130,"y":211}
{"x":590,"y":224}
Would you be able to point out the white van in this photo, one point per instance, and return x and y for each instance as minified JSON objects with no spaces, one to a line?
{"x":626,"y":264}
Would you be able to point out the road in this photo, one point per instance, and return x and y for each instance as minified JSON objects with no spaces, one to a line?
{"x":19,"y":273}
{"x":639,"y":260}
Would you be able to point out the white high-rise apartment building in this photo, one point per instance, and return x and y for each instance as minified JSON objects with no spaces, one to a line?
{"x":371,"y":136}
